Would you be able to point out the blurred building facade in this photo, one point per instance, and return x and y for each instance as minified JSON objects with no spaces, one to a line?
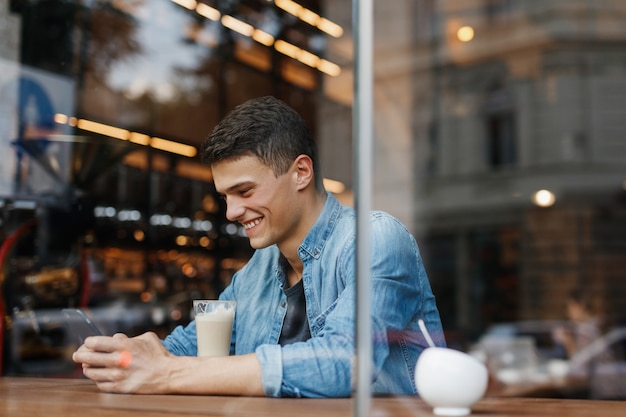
{"x":499,"y":130}
{"x":533,"y":101}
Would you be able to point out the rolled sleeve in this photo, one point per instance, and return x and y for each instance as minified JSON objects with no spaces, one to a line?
{"x":270,"y":357}
{"x":182,"y":341}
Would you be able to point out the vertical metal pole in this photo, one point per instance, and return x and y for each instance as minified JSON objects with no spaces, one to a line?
{"x":362,"y":143}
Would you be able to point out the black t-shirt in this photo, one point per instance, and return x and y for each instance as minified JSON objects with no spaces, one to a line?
{"x":296,"y":324}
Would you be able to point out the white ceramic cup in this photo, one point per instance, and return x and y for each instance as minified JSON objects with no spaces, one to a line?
{"x":450,"y":381}
{"x":214,"y":326}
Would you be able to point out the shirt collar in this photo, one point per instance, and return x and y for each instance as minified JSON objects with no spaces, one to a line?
{"x":315,"y":240}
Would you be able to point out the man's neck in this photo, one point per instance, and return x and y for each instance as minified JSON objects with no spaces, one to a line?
{"x":311,"y":212}
{"x":293,"y":276}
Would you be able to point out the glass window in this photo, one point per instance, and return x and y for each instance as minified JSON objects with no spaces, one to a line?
{"x":105,"y":105}
{"x":498,"y":143}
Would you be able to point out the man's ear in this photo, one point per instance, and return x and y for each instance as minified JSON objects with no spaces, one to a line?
{"x":303,"y":171}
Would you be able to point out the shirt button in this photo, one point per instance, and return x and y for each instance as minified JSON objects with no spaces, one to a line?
{"x":282,"y":304}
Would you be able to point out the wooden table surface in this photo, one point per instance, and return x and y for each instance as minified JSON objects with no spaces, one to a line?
{"x":21,"y":396}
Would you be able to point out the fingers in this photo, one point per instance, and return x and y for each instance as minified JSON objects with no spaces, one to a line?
{"x":107,"y":379}
{"x":104,"y":351}
{"x":113,"y":343}
{"x":94,"y":359}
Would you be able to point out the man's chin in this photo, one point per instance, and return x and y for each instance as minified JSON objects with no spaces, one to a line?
{"x":258,"y":244}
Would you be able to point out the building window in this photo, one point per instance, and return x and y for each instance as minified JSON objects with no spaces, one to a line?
{"x":501,"y":138}
{"x":501,"y":144}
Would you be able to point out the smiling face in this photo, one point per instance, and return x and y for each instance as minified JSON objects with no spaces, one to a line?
{"x":266,"y":205}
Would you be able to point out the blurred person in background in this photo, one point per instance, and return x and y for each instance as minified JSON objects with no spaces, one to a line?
{"x":585,"y":323}
{"x":590,"y":349}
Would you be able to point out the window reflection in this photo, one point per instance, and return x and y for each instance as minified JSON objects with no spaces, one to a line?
{"x":523,"y":190}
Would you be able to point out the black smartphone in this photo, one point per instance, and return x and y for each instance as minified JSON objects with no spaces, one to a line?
{"x":78,"y":325}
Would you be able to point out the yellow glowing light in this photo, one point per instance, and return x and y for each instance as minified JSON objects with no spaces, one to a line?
{"x":329,"y":68}
{"x":289,"y":6}
{"x":287,"y":48}
{"x":308,"y":58}
{"x":139,"y":235}
{"x":189,"y":270}
{"x":263,"y":37}
{"x":329,"y":27}
{"x":102,"y":129}
{"x":188,"y":4}
{"x":139,"y":138}
{"x":60,"y":118}
{"x":123,"y":134}
{"x":544,"y":198}
{"x":465,"y":33}
{"x":174,"y":147}
{"x":267,"y":39}
{"x":208,"y":12}
{"x":237,"y":25}
{"x":309,"y":16}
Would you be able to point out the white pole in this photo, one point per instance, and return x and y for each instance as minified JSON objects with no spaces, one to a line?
{"x":362,"y":143}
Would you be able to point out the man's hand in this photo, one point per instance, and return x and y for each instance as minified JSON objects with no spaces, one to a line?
{"x":142,"y":365}
{"x":124,"y":365}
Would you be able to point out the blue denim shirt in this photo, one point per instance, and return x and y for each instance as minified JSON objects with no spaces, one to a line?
{"x":322,"y":366}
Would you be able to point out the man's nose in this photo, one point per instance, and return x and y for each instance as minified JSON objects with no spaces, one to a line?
{"x":234,"y":209}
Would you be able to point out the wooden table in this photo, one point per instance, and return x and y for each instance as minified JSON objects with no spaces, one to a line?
{"x":80,"y":398}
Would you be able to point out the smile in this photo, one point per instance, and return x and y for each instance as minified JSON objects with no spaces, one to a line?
{"x":251,"y":224}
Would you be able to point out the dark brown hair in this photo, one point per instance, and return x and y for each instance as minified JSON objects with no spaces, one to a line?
{"x":267,"y":128}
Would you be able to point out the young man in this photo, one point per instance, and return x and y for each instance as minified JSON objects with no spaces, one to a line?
{"x":294,"y":324}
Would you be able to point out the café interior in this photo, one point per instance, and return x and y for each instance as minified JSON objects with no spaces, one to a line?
{"x":498,"y":129}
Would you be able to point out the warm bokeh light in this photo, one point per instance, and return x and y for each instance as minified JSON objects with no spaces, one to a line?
{"x":263,"y":37}
{"x":103,"y":129}
{"x":123,"y":134}
{"x":267,"y":39}
{"x":139,"y":235}
{"x":465,"y":33}
{"x":329,"y":68}
{"x":173,"y":147}
{"x":208,"y":12}
{"x":237,"y":25}
{"x":310,"y":17}
{"x":188,"y":4}
{"x":189,"y":270}
{"x":139,"y":138}
{"x":60,"y":118}
{"x":204,"y":241}
{"x":544,"y":198}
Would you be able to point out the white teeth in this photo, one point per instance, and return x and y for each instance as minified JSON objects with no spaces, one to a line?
{"x":251,"y":224}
